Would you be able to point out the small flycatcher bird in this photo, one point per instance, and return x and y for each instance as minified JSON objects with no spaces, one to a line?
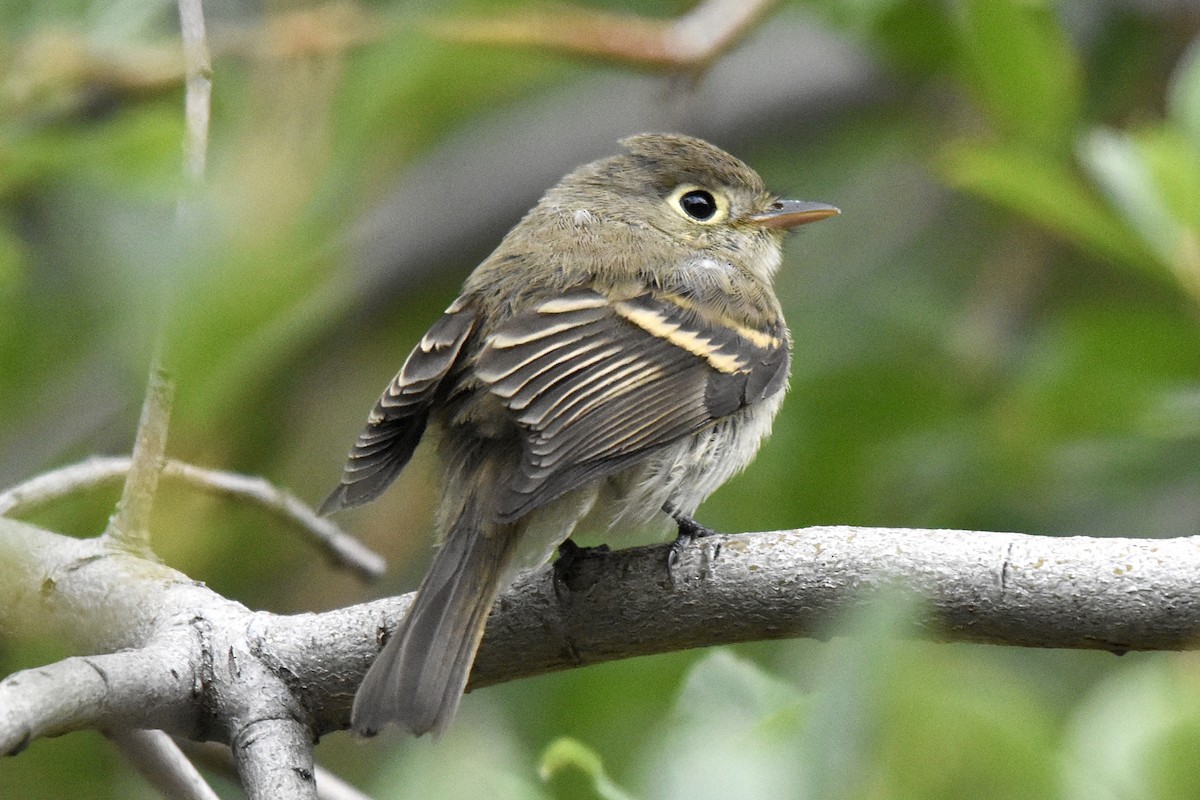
{"x":620,"y":355}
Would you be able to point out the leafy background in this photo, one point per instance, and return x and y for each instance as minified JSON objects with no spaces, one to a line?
{"x":1000,"y":332}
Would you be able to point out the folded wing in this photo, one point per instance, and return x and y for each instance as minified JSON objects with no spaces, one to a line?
{"x":597,"y":383}
{"x":398,"y":420}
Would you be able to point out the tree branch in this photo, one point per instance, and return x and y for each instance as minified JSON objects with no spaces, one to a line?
{"x":219,"y":671}
{"x":340,"y":547}
{"x":183,"y":659}
{"x":996,"y":588}
{"x":112,"y":691}
{"x":218,"y":757}
{"x":690,"y":42}
{"x":274,"y":758}
{"x":198,"y":87}
{"x":54,"y":70}
{"x":160,"y":761}
{"x":129,"y":526}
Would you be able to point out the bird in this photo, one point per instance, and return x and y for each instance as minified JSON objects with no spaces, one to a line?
{"x":618,"y":357}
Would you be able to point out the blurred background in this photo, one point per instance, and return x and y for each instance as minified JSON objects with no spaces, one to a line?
{"x":1000,"y":332}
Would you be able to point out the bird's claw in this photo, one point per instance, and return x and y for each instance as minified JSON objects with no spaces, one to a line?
{"x":689,"y":531}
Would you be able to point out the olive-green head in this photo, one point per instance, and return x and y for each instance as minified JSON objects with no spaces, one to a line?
{"x":671,"y":207}
{"x":683,"y":185}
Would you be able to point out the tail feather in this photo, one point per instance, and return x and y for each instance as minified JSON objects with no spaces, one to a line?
{"x":419,"y":677}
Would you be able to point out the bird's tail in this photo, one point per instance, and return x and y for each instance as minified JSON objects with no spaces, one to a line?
{"x":419,"y":677}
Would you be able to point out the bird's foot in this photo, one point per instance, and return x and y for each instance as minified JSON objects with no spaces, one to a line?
{"x":689,"y":531}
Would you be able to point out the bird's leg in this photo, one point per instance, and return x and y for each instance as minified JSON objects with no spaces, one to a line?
{"x":689,"y":531}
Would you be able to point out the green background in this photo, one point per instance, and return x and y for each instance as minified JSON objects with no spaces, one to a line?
{"x":999,"y":333}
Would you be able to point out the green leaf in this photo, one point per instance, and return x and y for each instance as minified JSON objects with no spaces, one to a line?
{"x":1174,"y":164}
{"x":955,"y":724}
{"x":1023,"y":68}
{"x":479,"y":757}
{"x":566,"y":755}
{"x":1154,"y":182}
{"x":1183,"y":94}
{"x":1116,"y":163}
{"x":1048,"y":193}
{"x":733,"y":733}
{"x":1136,"y":737}
{"x":839,"y":744}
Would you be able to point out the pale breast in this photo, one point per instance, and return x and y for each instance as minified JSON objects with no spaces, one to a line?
{"x":686,"y":472}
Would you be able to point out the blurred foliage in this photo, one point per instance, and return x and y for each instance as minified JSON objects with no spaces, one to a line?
{"x":1001,"y":332}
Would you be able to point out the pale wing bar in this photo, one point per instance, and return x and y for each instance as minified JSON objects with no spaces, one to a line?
{"x":596,"y":383}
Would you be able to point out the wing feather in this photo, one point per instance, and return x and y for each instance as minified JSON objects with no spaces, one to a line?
{"x":595,"y":383}
{"x":398,"y":421}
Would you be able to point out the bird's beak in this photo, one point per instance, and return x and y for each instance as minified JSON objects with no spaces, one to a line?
{"x":790,"y":213}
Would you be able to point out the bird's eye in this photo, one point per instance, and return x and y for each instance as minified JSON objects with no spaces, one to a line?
{"x":699,"y":204}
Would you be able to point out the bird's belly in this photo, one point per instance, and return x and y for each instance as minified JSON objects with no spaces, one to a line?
{"x":682,"y":474}
{"x":685,"y":473}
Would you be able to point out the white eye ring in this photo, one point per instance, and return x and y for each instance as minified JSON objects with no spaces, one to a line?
{"x":698,"y":204}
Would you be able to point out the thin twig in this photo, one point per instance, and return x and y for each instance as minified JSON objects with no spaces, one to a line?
{"x":331,"y":787}
{"x":50,"y":486}
{"x":340,"y":546}
{"x":55,"y":70}
{"x":198,"y":80}
{"x":129,"y":526}
{"x":343,"y":549}
{"x":156,"y":756}
{"x":690,"y":42}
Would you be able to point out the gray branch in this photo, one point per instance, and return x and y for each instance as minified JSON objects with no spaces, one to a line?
{"x":205,"y":668}
{"x":160,"y":761}
{"x":274,"y":758}
{"x":219,"y":758}
{"x":341,"y":548}
{"x":129,"y":525}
